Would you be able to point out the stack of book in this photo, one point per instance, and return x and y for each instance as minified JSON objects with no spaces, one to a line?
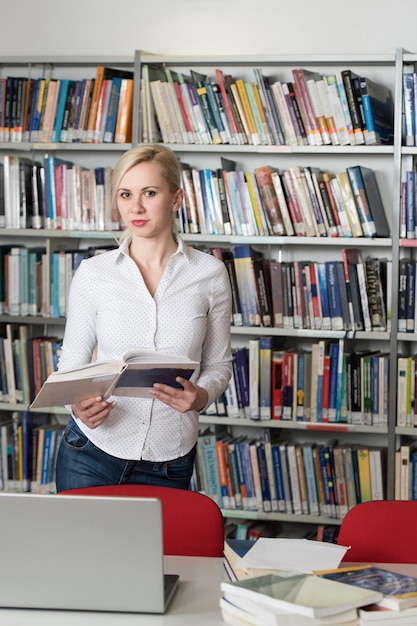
{"x":310,"y":109}
{"x":48,"y":110}
{"x":273,"y":600}
{"x":298,"y":600}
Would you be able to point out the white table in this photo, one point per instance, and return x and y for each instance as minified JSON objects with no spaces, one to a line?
{"x":195,"y":602}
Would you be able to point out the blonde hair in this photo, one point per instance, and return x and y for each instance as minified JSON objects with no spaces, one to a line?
{"x":155,"y":153}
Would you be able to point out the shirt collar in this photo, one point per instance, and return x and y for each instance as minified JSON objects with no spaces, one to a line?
{"x":182,"y":248}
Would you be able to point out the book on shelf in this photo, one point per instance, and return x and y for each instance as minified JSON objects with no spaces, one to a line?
{"x":258,"y":113}
{"x":338,"y":205}
{"x":66,"y":113}
{"x":102,"y":73}
{"x":263,"y":175}
{"x":371,"y":197}
{"x":335,"y":299}
{"x":208,"y":458}
{"x":354,"y":106}
{"x":303,"y":594}
{"x":319,"y":109}
{"x":409,"y":108}
{"x":303,"y":200}
{"x":261,"y":219}
{"x":244,"y":257}
{"x":183,"y":119}
{"x":375,"y":270}
{"x":296,"y":112}
{"x":123,"y":130}
{"x":282,"y":202}
{"x":199,"y":81}
{"x":133,"y":376}
{"x":254,"y":378}
{"x":327,"y":111}
{"x":350,"y":205}
{"x":60,"y":109}
{"x":378,"y":108}
{"x":261,"y":270}
{"x":310,"y":174}
{"x":228,"y":105}
{"x":398,"y":591}
{"x":328,"y":206}
{"x":293,"y":204}
{"x":240,"y":365}
{"x":46,"y":130}
{"x":333,"y":94}
{"x":300,"y":78}
{"x":273,"y":117}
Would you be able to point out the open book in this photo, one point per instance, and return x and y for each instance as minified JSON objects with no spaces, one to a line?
{"x":133,"y":376}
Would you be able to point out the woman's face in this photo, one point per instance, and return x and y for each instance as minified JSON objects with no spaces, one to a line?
{"x":145,"y":202}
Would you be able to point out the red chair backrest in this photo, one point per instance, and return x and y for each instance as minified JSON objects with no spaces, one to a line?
{"x":382,"y":531}
{"x":192,"y":522}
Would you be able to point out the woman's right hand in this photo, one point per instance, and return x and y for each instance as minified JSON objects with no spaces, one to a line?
{"x":92,"y":411}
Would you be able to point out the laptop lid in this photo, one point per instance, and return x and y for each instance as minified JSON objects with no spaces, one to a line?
{"x":82,"y":553}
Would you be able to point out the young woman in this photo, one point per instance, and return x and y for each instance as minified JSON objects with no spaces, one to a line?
{"x":152,"y":292}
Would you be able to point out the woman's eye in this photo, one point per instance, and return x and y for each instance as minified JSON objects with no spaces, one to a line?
{"x":149,"y":193}
{"x":124,"y":194}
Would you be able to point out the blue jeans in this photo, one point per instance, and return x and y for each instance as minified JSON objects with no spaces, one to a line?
{"x":81,"y":464}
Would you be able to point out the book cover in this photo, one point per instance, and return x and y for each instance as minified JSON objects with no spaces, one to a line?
{"x":336,"y":312}
{"x":133,"y":376}
{"x":399,"y":591}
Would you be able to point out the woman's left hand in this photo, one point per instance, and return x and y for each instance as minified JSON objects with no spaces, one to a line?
{"x":191,"y":398}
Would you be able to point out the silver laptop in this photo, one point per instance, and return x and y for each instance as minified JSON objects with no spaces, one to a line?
{"x":83,"y":553}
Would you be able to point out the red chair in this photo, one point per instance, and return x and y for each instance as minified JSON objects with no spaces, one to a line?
{"x":382,"y":531}
{"x":192,"y":522}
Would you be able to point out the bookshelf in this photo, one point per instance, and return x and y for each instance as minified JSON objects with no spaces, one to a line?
{"x":88,"y":156}
{"x":386,"y":160}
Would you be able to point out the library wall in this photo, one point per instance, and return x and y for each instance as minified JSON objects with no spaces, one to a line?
{"x":96,"y":27}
